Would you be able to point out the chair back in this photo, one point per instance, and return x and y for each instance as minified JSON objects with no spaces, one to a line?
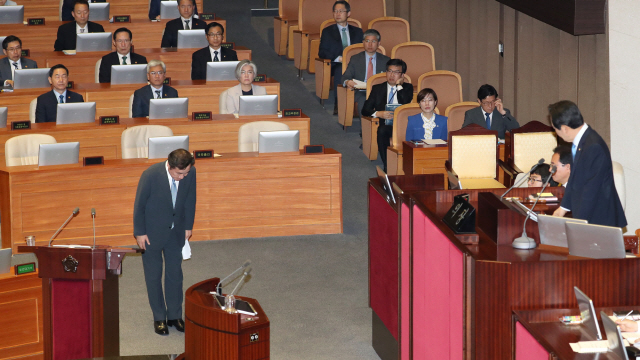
{"x":455,"y":113}
{"x":618,"y":180}
{"x":473,"y":152}
{"x":400,"y":120}
{"x":288,"y":9}
{"x":393,"y":30}
{"x":24,"y":149}
{"x":368,"y":10}
{"x":312,"y":13}
{"x":528,"y":144}
{"x":354,"y":49}
{"x":135,"y":140}
{"x":97,"y":71}
{"x":222,"y":103}
{"x":447,"y":84}
{"x":419,"y":57}
{"x":131,"y":106}
{"x":32,"y":110}
{"x":60,"y":10}
{"x":248,"y":133}
{"x":375,"y":80}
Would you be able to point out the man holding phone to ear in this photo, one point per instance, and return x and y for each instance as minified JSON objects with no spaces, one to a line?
{"x":491,"y":114}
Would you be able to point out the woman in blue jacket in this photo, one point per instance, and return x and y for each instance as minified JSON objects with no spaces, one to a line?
{"x":427,"y":124}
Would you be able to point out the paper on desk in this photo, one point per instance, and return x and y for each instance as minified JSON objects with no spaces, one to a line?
{"x":590,"y":346}
{"x":69,"y":52}
{"x":434,"y":142}
{"x":361,"y":85}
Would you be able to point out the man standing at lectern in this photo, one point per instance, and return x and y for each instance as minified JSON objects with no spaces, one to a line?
{"x":163,"y":216}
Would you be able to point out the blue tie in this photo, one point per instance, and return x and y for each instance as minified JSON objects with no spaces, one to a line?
{"x":61,"y":99}
{"x":391,"y":93}
{"x":573,"y":150}
{"x":488,"y":121}
{"x":174,"y":192}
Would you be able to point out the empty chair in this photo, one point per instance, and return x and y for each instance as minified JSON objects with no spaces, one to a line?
{"x":248,"y":133}
{"x":367,"y":10}
{"x":447,"y":84}
{"x":312,"y":14}
{"x":222,"y":103}
{"x":393,"y":30}
{"x":97,"y":71}
{"x":24,"y":149}
{"x":131,"y":106}
{"x":394,"y":152}
{"x":284,"y":23}
{"x":32,"y":110}
{"x":455,"y":114}
{"x":419,"y":57}
{"x":618,"y":179}
{"x":135,"y":140}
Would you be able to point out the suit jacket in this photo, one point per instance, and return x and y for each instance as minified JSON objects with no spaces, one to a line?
{"x":331,"y":41}
{"x":591,"y":193}
{"x":200,"y":58}
{"x":153,"y":210}
{"x":112,"y":59}
{"x":47,"y":105}
{"x":66,"y":39}
{"x":357,"y":68}
{"x":142,"y":97}
{"x":415,"y":128}
{"x":5,"y":68}
{"x":233,"y":97}
{"x":170,"y":37}
{"x":154,"y":9}
{"x":377,"y":100}
{"x":498,"y":122}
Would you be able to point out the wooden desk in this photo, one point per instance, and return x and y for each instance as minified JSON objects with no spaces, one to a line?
{"x":239,"y":195}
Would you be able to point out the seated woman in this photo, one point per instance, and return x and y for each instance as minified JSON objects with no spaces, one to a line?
{"x":427,"y":125}
{"x":540,"y":175}
{"x":245,"y":73}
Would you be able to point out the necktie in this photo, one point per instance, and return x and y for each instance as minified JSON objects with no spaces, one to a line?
{"x":82,"y":30}
{"x":391,"y":93}
{"x":158,"y":94}
{"x":15,"y":64}
{"x":124,"y":60}
{"x":370,"y":68}
{"x":573,"y":150}
{"x":488,"y":121}
{"x":186,"y":25}
{"x":215,"y":56}
{"x":174,"y":192}
{"x":345,"y":42}
{"x":61,"y":99}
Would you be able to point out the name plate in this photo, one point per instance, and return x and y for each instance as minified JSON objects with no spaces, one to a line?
{"x":26,"y":53}
{"x":122,"y":18}
{"x":201,"y":115}
{"x":70,"y":85}
{"x":207,"y":17}
{"x":109,"y":120}
{"x":25,"y":268}
{"x":292,"y":113}
{"x":228,"y":45}
{"x":21,"y":125}
{"x":260,"y":78}
{"x":92,"y":160}
{"x":314,"y":149}
{"x":167,"y":81}
{"x":35,"y":21}
{"x":203,"y":154}
{"x":461,"y":217}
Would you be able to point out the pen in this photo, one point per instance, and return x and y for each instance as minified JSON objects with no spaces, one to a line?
{"x":626,"y":315}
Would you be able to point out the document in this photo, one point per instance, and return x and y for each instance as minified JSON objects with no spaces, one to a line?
{"x":434,"y":142}
{"x":590,"y":346}
{"x":360,"y":85}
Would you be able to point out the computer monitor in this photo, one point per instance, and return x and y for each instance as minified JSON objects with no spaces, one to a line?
{"x":553,"y":231}
{"x":99,"y":11}
{"x":5,"y":260}
{"x":258,"y":105}
{"x":2,"y":39}
{"x":192,"y":39}
{"x":386,"y":184}
{"x":93,"y":42}
{"x":31,"y":78}
{"x":279,"y":141}
{"x":595,"y":241}
{"x":59,"y":154}
{"x":587,"y":313}
{"x":169,"y":10}
{"x":12,"y":14}
{"x":176,"y":108}
{"x":161,"y":147}
{"x":76,"y":113}
{"x":129,"y":74}
{"x":3,"y":117}
{"x":614,"y":337}
{"x":221,"y":70}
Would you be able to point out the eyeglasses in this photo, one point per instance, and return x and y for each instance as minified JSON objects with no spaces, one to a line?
{"x":395,"y":72}
{"x":214,"y":35}
{"x":339,"y":11}
{"x":246,"y":72}
{"x":534,"y":180}
{"x":488,"y":103}
{"x":123,"y":41}
{"x":370,"y":41}
{"x":158,"y":73}
{"x":19,"y":48}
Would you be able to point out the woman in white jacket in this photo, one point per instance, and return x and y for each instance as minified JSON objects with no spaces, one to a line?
{"x":245,"y":73}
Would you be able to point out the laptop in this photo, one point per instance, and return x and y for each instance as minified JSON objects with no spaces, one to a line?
{"x":221,"y":70}
{"x":12,"y":14}
{"x":169,"y":10}
{"x":3,"y":117}
{"x":175,"y":108}
{"x":31,"y":78}
{"x":93,"y":42}
{"x":59,"y":154}
{"x":552,"y":229}
{"x":278,"y":141}
{"x":99,"y":11}
{"x":76,"y":113}
{"x":614,"y":337}
{"x":161,"y":147}
{"x":258,"y":105}
{"x":5,"y":260}
{"x":192,"y":39}
{"x":588,"y":313}
{"x":595,"y":241}
{"x":129,"y":74}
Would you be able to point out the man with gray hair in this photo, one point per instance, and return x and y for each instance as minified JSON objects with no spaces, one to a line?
{"x":156,"y":71}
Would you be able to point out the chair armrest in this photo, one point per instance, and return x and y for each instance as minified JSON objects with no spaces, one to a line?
{"x":631,"y":243}
{"x":452,"y":176}
{"x":280,"y":18}
{"x":324,"y":61}
{"x":371,"y":119}
{"x":395,"y":150}
{"x":508,"y":170}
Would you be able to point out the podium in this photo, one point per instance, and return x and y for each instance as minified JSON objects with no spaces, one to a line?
{"x":212,"y":333}
{"x":80,"y":300}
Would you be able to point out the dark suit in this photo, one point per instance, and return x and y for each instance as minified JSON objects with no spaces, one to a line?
{"x":170,"y":37}
{"x":67,"y":9}
{"x":47,"y":105}
{"x":591,"y":193}
{"x":331,"y":48}
{"x":112,"y":59}
{"x":357,"y":69}
{"x":142,"y":97}
{"x":415,"y":128}
{"x":498,"y":122}
{"x":66,"y":39}
{"x":153,"y":215}
{"x":200,"y":58}
{"x":377,"y":101}
{"x":5,"y":68}
{"x":154,"y":9}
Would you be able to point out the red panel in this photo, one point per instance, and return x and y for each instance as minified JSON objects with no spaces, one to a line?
{"x":71,"y":319}
{"x":456,"y":302}
{"x":405,"y":283}
{"x":527,"y":348}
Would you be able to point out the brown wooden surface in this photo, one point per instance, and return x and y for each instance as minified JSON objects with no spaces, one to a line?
{"x":239,"y":195}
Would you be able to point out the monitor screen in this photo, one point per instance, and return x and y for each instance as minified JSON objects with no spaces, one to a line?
{"x":3,"y":117}
{"x":93,"y":42}
{"x":169,"y":10}
{"x":587,"y":313}
{"x":279,"y":141}
{"x":129,"y":74}
{"x":161,"y":147}
{"x":5,"y":260}
{"x":99,"y":11}
{"x":12,"y":14}
{"x":192,"y":39}
{"x":614,"y":337}
{"x":59,"y":154}
{"x":76,"y":113}
{"x":258,"y":105}
{"x":221,"y":70}
{"x":31,"y":78}
{"x":176,"y":108}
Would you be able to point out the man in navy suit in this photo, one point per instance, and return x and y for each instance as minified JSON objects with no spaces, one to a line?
{"x":122,"y":41}
{"x":12,"y":47}
{"x":491,"y":114}
{"x":591,"y":193}
{"x":66,"y":39}
{"x":154,"y":9}
{"x":186,"y":21}
{"x":156,"y":72}
{"x":214,"y":52}
{"x":47,"y":103}
{"x":335,"y":38}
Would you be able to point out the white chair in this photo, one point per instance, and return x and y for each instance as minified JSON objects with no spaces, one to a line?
{"x":618,"y":180}
{"x":248,"y":133}
{"x":32,"y":110}
{"x":97,"y":72}
{"x":135,"y":140}
{"x":60,"y":10}
{"x":131,"y":106}
{"x":24,"y":149}
{"x":222,"y":103}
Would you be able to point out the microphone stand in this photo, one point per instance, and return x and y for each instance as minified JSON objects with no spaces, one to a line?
{"x":241,"y":281}
{"x":524,"y":242}
{"x":540,"y":162}
{"x":93,"y":218}
{"x":219,"y":287}
{"x":75,"y":211}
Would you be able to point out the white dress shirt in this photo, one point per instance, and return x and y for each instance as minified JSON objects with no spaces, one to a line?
{"x":85,"y":28}
{"x":166,"y":166}
{"x":214,"y":55}
{"x":190,"y":22}
{"x":154,"y":92}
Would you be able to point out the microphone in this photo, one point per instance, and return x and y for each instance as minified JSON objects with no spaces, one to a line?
{"x":74,"y":213}
{"x":93,"y":218}
{"x":540,"y":162}
{"x":219,"y":287}
{"x":241,"y":281}
{"x":525,"y":242}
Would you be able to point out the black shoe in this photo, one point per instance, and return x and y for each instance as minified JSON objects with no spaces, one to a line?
{"x":335,"y":109}
{"x":178,"y":324}
{"x":161,"y":327}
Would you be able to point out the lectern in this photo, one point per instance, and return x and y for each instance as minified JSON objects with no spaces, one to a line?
{"x":80,"y":300}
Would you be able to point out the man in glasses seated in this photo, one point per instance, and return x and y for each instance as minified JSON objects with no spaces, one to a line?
{"x":156,"y":72}
{"x":491,"y":114}
{"x":540,"y":175}
{"x":214,"y":52}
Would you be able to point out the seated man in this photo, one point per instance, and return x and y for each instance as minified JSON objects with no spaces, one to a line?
{"x":154,"y":9}
{"x":491,"y":114}
{"x":12,"y":47}
{"x":186,"y":21}
{"x":122,"y":41}
{"x":364,"y":65}
{"x":393,"y":91}
{"x":214,"y":52}
{"x":66,"y":39}
{"x":47,"y":103}
{"x":540,"y":175}
{"x":156,"y":71}
{"x":562,"y":159}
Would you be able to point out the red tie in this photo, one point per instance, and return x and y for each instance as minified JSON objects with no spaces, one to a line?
{"x":370,"y":68}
